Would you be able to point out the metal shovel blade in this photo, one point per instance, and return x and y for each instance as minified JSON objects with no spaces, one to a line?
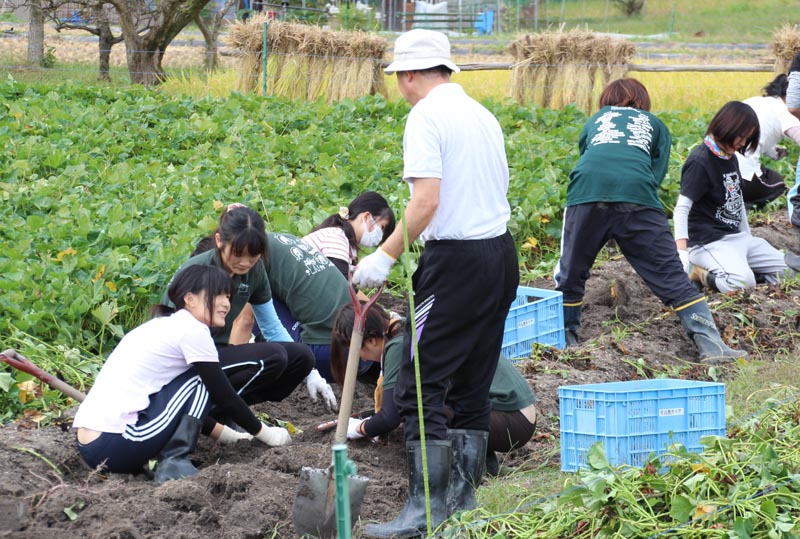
{"x":310,"y":515}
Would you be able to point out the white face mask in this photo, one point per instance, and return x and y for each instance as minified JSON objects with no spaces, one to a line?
{"x":371,"y":238}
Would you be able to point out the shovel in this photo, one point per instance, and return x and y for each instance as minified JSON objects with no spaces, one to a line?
{"x":20,"y":362}
{"x":314,"y":511}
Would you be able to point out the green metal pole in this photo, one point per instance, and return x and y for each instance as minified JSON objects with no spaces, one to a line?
{"x":264,"y":60}
{"x":672,"y":17}
{"x":415,"y":351}
{"x":343,"y":469}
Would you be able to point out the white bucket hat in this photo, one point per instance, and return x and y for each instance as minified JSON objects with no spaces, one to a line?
{"x":421,"y":49}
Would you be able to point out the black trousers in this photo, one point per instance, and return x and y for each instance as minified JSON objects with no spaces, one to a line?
{"x":642,"y":234}
{"x":264,"y":371}
{"x":462,"y":292}
{"x":508,"y":431}
{"x":760,"y":190}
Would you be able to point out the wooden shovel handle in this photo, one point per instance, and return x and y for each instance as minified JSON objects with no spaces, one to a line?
{"x":20,"y":362}
{"x":353,"y":355}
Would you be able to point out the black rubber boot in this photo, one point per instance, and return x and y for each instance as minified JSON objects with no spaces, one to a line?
{"x":492,"y":464}
{"x":411,"y":522}
{"x":700,"y":327}
{"x":572,"y":323}
{"x":173,"y":460}
{"x":467,"y":467}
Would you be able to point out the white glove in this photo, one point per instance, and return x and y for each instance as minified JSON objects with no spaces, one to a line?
{"x":230,"y":436}
{"x":684,"y":256}
{"x":373,"y":269}
{"x":317,"y":386}
{"x":273,"y":436}
{"x":352,"y":428}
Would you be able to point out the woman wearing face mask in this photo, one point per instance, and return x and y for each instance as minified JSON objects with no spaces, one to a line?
{"x":366,"y":222}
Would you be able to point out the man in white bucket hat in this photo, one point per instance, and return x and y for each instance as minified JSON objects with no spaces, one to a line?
{"x":455,"y":164}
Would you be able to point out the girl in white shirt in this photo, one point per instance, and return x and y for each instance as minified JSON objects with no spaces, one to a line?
{"x":759,"y":183}
{"x":154,"y":392}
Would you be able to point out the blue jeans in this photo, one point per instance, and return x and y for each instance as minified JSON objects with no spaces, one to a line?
{"x":322,"y":352}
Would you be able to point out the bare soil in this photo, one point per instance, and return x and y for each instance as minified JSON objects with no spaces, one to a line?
{"x":246,"y":491}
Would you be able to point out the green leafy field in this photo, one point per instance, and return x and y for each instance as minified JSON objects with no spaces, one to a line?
{"x":106,"y":191}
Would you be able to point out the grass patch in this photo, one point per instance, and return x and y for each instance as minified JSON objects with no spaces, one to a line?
{"x":712,"y":21}
{"x":749,"y":389}
{"x":759,"y":381}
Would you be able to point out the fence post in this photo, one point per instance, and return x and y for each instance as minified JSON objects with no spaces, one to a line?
{"x":264,"y":60}
{"x":672,"y":17}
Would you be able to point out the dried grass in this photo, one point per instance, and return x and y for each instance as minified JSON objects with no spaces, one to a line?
{"x":307,"y":62}
{"x":559,"y":68}
{"x":785,"y":46}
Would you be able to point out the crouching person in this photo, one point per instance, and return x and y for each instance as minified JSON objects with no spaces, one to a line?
{"x":513,"y":415}
{"x":152,"y":396}
{"x":711,"y":229}
{"x":613,"y":194}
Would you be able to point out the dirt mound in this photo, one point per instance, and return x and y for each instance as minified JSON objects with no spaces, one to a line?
{"x":246,"y":491}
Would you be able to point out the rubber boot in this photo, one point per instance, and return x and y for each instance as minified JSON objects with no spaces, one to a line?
{"x":467,"y":467}
{"x":411,"y":522}
{"x":492,"y":464}
{"x":699,"y":326}
{"x":572,"y":323}
{"x":173,"y":460}
{"x":701,"y":275}
{"x":793,"y":262}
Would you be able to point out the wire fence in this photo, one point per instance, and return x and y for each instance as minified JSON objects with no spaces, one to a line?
{"x":674,"y":83}
{"x":676,"y":78}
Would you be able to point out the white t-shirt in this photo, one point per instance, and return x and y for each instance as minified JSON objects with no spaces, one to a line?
{"x":774,"y":119}
{"x":452,"y":137}
{"x":145,"y":360}
{"x":332,"y":243}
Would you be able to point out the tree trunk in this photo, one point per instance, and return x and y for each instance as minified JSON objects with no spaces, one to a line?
{"x":104,"y":43}
{"x":210,"y":28}
{"x":211,"y":41}
{"x":35,"y":32}
{"x":145,"y":51}
{"x":144,"y":62}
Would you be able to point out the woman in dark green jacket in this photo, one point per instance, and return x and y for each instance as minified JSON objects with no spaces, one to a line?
{"x":513,"y":415}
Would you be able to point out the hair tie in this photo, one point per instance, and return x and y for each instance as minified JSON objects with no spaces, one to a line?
{"x":234,"y":206}
{"x":344,"y":213}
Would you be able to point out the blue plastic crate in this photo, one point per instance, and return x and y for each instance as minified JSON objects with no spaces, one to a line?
{"x":634,"y":419}
{"x":536,"y":315}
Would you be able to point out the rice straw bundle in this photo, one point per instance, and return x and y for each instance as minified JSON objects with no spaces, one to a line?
{"x":243,"y":37}
{"x":785,"y":46}
{"x":574,"y":74}
{"x":359,"y":73}
{"x":586,"y":78}
{"x":307,"y":62}
{"x":529,"y":67}
{"x":558,"y":68}
{"x":316,"y":48}
{"x":618,"y":55}
{"x":339,"y":71}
